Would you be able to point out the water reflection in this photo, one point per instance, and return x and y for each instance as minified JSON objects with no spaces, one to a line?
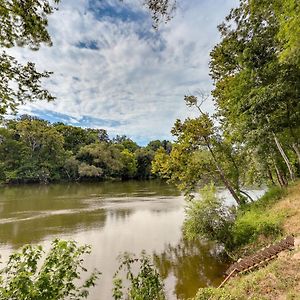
{"x":112,"y":217}
{"x":191,"y":265}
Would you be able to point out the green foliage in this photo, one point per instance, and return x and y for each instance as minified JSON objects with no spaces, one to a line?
{"x":71,"y":168}
{"x":56,"y":278}
{"x":33,"y":150}
{"x":31,"y":17}
{"x":126,"y":142}
{"x":105,"y":158}
{"x":287,"y":13}
{"x":129,"y":164}
{"x":289,"y":33}
{"x":145,"y":285}
{"x":144,"y":158}
{"x":157,"y":144}
{"x":272,"y":195}
{"x":19,"y":83}
{"x":89,"y":171}
{"x":256,"y":219}
{"x":161,"y":10}
{"x":22,"y":24}
{"x":77,"y":137}
{"x":207,"y":217}
{"x":254,"y":223}
{"x":200,"y":155}
{"x":257,"y":93}
{"x":161,"y":164}
{"x":208,"y":293}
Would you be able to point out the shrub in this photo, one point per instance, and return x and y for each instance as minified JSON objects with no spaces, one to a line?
{"x":254,"y":223}
{"x":213,"y":293}
{"x":208,"y":217}
{"x":23,"y":279}
{"x":256,"y":219}
{"x":145,"y":285}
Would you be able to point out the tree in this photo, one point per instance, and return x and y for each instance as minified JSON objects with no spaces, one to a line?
{"x":288,"y":14}
{"x":71,"y":167}
{"x":161,"y":10}
{"x":19,"y":84}
{"x":76,"y":137}
{"x":102,"y":156}
{"x":129,"y":164}
{"x":22,"y":23}
{"x":126,"y":142}
{"x":257,"y":95}
{"x":200,"y":153}
{"x":26,"y":277}
{"x":32,"y":151}
{"x":155,"y":145}
{"x":144,"y":158}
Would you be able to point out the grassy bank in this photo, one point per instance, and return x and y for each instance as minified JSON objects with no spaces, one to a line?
{"x":275,"y":215}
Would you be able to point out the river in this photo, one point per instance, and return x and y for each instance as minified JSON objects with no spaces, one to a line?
{"x":113,"y":217}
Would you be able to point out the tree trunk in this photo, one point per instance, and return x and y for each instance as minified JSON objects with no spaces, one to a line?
{"x":281,"y":181}
{"x":297,"y":151}
{"x":223,"y":177}
{"x":270,"y":174}
{"x":285,"y":158}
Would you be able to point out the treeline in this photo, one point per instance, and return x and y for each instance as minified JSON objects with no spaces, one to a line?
{"x":34,"y":150}
{"x":254,"y":137}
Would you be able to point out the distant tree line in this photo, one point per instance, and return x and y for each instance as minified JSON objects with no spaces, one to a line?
{"x":34,"y":150}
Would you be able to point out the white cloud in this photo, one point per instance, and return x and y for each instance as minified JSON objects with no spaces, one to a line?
{"x":137,"y":77}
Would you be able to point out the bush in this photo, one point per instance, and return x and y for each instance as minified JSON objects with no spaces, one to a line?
{"x":254,"y":223}
{"x":208,"y":217}
{"x":208,"y":293}
{"x":23,"y":279}
{"x":256,"y":219}
{"x":146,"y":285}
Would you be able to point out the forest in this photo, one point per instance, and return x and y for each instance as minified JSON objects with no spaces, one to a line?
{"x":33,"y":150}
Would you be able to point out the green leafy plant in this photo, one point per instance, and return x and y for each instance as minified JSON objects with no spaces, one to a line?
{"x":23,"y":277}
{"x":208,"y":217}
{"x":145,"y":285}
{"x":256,"y":219}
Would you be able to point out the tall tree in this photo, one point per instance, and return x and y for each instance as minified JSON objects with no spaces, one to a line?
{"x":257,"y":95}
{"x":200,"y":154}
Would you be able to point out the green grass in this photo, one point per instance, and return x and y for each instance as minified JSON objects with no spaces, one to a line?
{"x":279,"y":278}
{"x":257,"y":219}
{"x":257,"y":223}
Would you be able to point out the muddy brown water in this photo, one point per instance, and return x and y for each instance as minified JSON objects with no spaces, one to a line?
{"x":113,"y":217}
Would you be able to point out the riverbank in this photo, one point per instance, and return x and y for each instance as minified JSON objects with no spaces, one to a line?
{"x":281,"y":278}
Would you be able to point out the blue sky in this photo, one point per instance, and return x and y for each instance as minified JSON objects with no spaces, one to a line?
{"x":113,"y":71}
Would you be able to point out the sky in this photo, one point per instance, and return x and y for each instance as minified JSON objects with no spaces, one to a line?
{"x":112,"y":70}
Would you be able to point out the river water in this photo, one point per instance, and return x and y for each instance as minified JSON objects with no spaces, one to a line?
{"x":113,"y":217}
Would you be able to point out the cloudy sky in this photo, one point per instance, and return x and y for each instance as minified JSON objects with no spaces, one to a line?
{"x":113,"y":71}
